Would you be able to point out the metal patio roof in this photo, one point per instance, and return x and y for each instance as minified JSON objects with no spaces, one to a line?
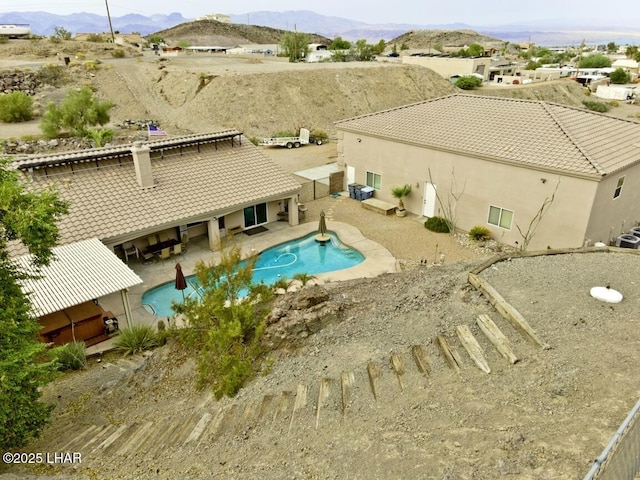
{"x":80,"y":272}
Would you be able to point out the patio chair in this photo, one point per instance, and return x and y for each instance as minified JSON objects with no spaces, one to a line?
{"x":165,"y":253}
{"x":129,"y":250}
{"x":177,"y":249}
{"x":164,"y":236}
{"x":152,"y":240}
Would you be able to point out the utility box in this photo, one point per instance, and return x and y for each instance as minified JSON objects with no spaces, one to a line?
{"x":628,"y":241}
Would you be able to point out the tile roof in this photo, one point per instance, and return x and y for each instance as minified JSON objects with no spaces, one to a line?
{"x":534,"y":133}
{"x":78,"y":273}
{"x":191,"y":183}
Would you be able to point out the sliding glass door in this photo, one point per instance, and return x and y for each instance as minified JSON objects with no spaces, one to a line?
{"x":255,"y":215}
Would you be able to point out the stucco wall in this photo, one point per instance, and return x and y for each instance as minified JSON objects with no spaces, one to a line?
{"x":610,"y":217}
{"x":449,"y":66}
{"x":479,"y":184}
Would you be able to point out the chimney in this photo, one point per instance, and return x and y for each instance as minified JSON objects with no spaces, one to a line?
{"x":142,"y":163}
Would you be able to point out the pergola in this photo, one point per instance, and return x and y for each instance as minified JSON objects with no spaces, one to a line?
{"x":79,"y":272}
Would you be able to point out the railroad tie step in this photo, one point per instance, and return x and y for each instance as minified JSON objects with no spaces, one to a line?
{"x":423,"y":363}
{"x":107,"y":442}
{"x":450,"y":354}
{"x":199,"y":429}
{"x":131,"y":445}
{"x":496,"y":337}
{"x":472,"y":347}
{"x":374,"y":373}
{"x":398,"y":367}
{"x":346,"y":385}
{"x":323,"y":395}
{"x":299,"y":403}
{"x":79,"y":440}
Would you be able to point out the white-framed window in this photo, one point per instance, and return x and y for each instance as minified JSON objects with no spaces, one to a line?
{"x":374,"y":180}
{"x":500,"y":217}
{"x":618,"y":190}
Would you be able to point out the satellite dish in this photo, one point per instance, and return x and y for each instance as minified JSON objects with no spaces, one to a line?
{"x":606,"y":294}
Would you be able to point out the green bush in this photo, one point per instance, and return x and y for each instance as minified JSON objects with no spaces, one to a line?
{"x":619,"y":76}
{"x":480,"y":233}
{"x":468,"y":82}
{"x":3,"y":39}
{"x":437,"y":224}
{"x":136,"y":339}
{"x":16,"y":107}
{"x":72,"y":356}
{"x":596,"y":106}
{"x":119,"y":53}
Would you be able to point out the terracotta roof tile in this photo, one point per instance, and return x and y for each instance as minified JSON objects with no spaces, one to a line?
{"x":532,"y":132}
{"x":107,"y":202}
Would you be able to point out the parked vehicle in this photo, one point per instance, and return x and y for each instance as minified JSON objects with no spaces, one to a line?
{"x":291,"y":142}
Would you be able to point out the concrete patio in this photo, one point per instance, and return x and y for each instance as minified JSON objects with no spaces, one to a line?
{"x":377,"y":261}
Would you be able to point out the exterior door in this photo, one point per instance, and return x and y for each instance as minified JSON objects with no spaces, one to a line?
{"x":429,"y":202}
{"x":255,"y":215}
{"x":351,"y":175}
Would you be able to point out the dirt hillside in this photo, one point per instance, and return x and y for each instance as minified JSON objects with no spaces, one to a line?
{"x":211,"y":32}
{"x":424,"y":39}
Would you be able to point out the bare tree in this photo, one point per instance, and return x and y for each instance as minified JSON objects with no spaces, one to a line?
{"x":449,"y":204}
{"x":528,"y":235}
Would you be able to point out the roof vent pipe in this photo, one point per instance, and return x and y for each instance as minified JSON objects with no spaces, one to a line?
{"x":142,"y":163}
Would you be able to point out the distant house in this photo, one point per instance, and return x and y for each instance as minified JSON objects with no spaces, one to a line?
{"x":175,"y":189}
{"x":495,"y":161}
{"x":448,"y":67}
{"x":218,"y":17}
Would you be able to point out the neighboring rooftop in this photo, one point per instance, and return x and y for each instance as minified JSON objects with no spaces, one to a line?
{"x":534,"y":133}
{"x":195,"y":178}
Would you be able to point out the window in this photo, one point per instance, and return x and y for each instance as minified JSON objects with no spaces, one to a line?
{"x":618,"y":191}
{"x":373,"y":180}
{"x":501,"y":217}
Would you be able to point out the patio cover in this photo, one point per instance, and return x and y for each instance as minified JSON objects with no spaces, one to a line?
{"x":79,"y":272}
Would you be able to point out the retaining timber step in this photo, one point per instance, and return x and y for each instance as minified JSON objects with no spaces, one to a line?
{"x":324,"y":403}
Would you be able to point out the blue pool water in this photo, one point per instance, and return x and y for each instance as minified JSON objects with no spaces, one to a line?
{"x":303,"y":255}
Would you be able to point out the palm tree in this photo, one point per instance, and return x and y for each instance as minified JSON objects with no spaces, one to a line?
{"x":400,"y":193}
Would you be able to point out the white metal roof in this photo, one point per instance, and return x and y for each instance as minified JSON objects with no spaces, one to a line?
{"x":79,"y":272}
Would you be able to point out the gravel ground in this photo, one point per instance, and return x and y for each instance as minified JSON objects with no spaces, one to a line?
{"x":546,"y":417}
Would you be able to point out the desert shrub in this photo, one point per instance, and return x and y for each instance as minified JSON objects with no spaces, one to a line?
{"x":254,"y":140}
{"x":303,"y":278}
{"x":80,"y":56}
{"x":480,"y":233}
{"x":468,"y":82}
{"x":16,"y":107}
{"x":94,"y":37}
{"x":285,"y":133}
{"x":596,"y":106}
{"x":619,"y":76}
{"x":3,"y":39}
{"x":317,"y":133}
{"x":119,"y":53}
{"x":54,"y":75}
{"x":614,"y":103}
{"x":282,"y":282}
{"x":136,"y":339}
{"x":100,"y":137}
{"x":436,"y":224}
{"x":72,"y":356}
{"x":90,"y":65}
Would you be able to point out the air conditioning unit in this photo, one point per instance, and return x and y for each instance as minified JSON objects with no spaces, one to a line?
{"x":628,"y":241}
{"x":635,"y":231}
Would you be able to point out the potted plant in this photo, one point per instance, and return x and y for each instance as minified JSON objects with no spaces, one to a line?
{"x":400,"y":193}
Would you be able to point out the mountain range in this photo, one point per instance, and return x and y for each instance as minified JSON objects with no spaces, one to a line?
{"x":43,"y":23}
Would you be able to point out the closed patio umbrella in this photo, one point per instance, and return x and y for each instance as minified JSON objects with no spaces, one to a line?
{"x":181,"y":283}
{"x":322,"y":229}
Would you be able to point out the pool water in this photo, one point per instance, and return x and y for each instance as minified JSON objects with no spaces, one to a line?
{"x":303,"y":255}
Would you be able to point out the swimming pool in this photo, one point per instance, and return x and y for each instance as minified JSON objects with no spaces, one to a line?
{"x":303,"y":255}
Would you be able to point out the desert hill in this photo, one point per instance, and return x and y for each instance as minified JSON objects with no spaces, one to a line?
{"x":211,"y":32}
{"x":423,"y":39}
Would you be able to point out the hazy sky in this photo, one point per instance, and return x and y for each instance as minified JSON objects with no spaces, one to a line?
{"x":473,"y":12}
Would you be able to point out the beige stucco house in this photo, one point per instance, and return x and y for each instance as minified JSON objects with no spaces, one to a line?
{"x":172,"y":189}
{"x":495,"y":161}
{"x":448,"y":67}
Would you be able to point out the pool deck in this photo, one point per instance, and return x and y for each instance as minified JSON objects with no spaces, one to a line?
{"x":378,"y":260}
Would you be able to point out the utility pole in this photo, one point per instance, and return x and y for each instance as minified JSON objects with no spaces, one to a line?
{"x":113,"y":38}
